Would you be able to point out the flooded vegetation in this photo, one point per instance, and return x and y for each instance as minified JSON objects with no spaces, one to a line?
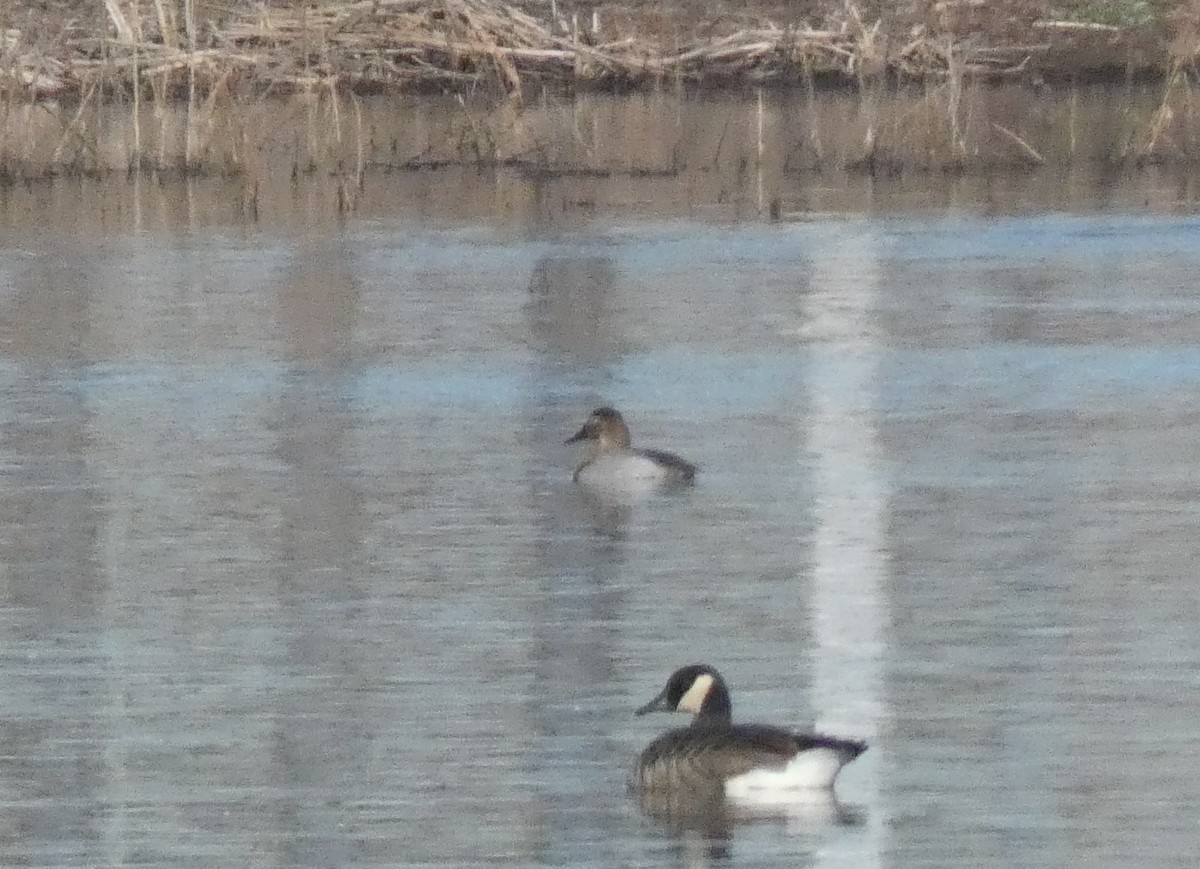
{"x":772,"y":154}
{"x":194,"y":90}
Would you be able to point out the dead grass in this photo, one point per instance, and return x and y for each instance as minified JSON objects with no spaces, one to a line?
{"x":178,"y":49}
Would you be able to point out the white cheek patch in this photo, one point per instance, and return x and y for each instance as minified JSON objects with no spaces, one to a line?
{"x":694,"y":698}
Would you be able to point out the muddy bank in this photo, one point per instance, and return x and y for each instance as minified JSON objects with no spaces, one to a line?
{"x":71,"y":49}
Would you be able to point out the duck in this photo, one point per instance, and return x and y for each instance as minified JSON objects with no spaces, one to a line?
{"x":746,"y":764}
{"x":608,"y":458}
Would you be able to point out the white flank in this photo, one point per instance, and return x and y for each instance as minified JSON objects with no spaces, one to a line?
{"x":623,"y":473}
{"x":809,"y":775}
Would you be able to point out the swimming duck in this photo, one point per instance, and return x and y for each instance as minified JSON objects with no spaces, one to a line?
{"x":746,"y":762}
{"x":608,"y":458}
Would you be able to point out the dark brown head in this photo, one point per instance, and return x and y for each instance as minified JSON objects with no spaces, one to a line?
{"x":606,"y":426}
{"x":697,"y":690}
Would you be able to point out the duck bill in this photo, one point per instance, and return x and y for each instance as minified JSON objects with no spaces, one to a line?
{"x":580,"y":435}
{"x":658,"y":704}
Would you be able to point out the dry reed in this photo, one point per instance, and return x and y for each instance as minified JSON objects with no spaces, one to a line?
{"x":371,"y":45}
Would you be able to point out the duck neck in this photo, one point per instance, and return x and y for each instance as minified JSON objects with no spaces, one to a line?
{"x":588,"y":453}
{"x":616,"y":438}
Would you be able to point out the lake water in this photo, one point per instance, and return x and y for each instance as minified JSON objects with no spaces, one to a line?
{"x":293,"y":572}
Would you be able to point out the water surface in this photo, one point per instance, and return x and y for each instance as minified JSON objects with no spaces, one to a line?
{"x":292,"y":571}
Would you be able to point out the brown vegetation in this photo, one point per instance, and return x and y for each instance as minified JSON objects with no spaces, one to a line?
{"x":175,"y":86}
{"x":171,"y":47}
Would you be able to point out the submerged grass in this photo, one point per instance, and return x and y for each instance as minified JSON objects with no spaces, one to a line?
{"x":879,"y":129}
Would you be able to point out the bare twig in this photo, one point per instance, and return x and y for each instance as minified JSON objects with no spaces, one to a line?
{"x":1077,"y":25}
{"x":1027,"y":149}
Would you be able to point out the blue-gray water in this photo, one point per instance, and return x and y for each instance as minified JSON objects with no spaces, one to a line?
{"x":292,"y":571}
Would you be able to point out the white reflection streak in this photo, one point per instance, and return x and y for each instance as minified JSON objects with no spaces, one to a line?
{"x":850,"y":498}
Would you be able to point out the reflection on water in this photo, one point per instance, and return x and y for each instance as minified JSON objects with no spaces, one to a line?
{"x":714,"y":817}
{"x":292,"y":566}
{"x":704,"y":831}
{"x":850,"y":496}
{"x":775,"y":154}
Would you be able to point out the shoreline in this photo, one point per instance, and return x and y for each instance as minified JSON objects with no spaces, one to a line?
{"x":367,"y":47}
{"x":964,"y":91}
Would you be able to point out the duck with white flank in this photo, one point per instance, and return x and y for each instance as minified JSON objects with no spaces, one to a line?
{"x":608,"y":459}
{"x":748,"y":763}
